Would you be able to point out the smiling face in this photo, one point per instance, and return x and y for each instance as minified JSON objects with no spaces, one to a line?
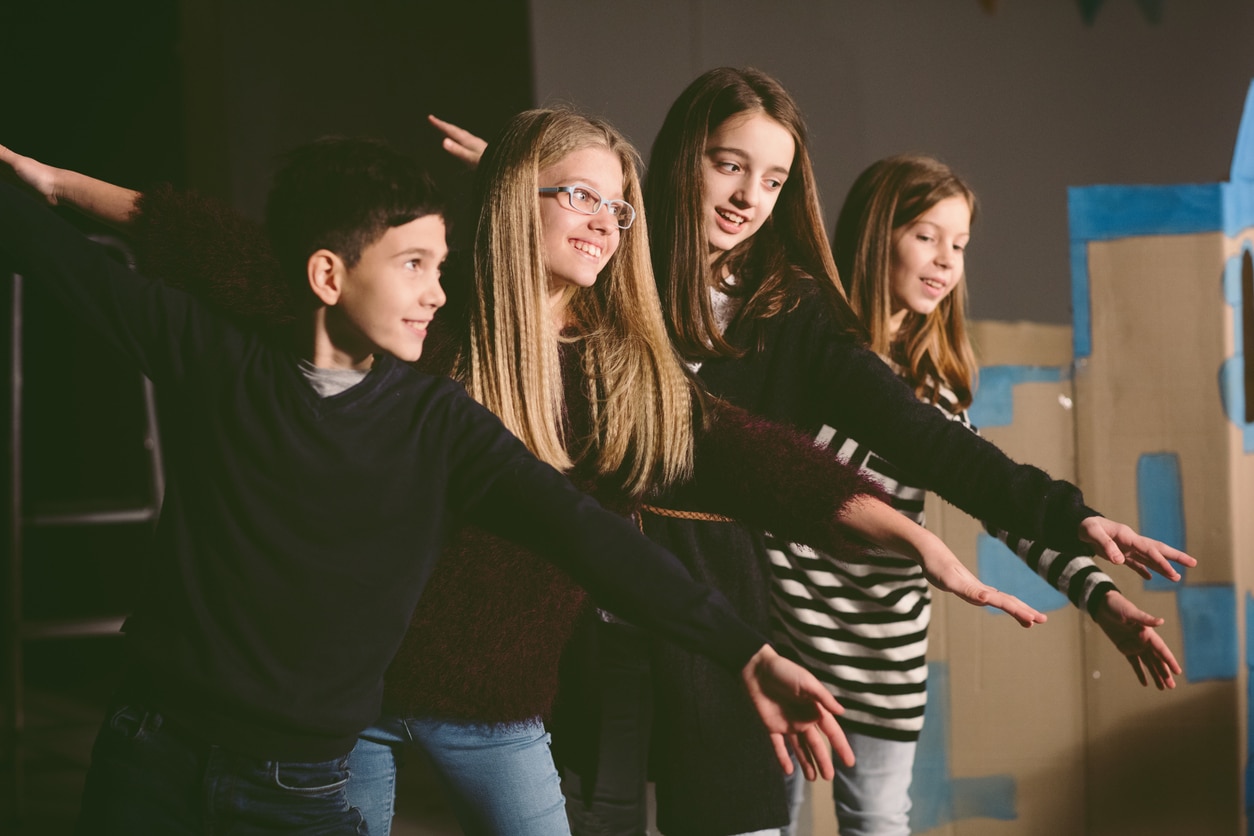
{"x":576,"y":246}
{"x":747,"y":160}
{"x":928,"y":258}
{"x":389,"y":297}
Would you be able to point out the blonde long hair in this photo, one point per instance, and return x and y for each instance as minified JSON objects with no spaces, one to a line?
{"x":887,"y":196}
{"x":640,"y":398}
{"x":790,"y":245}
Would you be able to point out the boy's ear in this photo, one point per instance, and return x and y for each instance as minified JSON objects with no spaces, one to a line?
{"x":326,"y":276}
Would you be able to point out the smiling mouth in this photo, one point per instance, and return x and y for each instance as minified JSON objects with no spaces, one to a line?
{"x":418,"y":325}
{"x":935,"y":284}
{"x":587,"y":248}
{"x":731,"y":217}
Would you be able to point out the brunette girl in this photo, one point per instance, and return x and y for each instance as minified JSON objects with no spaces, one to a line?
{"x":750,"y":293}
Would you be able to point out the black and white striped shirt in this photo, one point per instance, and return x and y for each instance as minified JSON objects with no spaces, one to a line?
{"x":862,"y":628}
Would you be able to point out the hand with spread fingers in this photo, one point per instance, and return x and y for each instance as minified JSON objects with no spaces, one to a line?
{"x":1131,"y":630}
{"x":1120,"y":544}
{"x":798,"y":712}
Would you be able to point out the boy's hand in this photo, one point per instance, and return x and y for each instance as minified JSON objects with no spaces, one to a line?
{"x":1120,"y":544}
{"x":795,"y":707}
{"x":1132,"y":631}
{"x":460,"y":142}
{"x":42,"y":178}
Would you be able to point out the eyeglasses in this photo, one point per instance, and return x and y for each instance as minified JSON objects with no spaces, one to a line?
{"x":587,"y":201}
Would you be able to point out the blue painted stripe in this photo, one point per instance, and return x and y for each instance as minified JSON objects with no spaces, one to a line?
{"x":938,"y":798}
{"x":1002,"y":568}
{"x":1232,"y":370}
{"x":1104,"y":213}
{"x":1249,"y":711}
{"x":1160,"y":507}
{"x":995,"y":401}
{"x":1081,"y":301}
{"x":1243,"y":153}
{"x":1208,"y":622}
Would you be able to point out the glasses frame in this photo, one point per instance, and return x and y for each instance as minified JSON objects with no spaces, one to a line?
{"x":569,"y":191}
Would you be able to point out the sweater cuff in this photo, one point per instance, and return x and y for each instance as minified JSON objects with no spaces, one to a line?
{"x":1097,"y":596}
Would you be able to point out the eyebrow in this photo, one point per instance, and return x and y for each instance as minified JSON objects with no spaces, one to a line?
{"x":720,"y":149}
{"x":415,"y":251}
{"x":587,"y":181}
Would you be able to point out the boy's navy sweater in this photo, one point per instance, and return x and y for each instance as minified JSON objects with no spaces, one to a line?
{"x":297,"y":532}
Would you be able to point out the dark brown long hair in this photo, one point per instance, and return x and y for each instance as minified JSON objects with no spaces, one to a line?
{"x":790,"y":245}
{"x":887,"y":196}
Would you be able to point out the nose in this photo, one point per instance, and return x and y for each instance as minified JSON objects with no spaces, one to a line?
{"x":433,"y":294}
{"x":603,"y":220}
{"x":747,"y":195}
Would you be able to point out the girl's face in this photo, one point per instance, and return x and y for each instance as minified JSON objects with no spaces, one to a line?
{"x":576,"y":246}
{"x":747,"y":160}
{"x":928,"y":258}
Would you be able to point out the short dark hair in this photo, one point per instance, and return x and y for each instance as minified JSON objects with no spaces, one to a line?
{"x":342,"y":194}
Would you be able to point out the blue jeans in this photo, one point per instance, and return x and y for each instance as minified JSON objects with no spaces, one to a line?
{"x":873,"y":796}
{"x":147,"y":776}
{"x":500,"y":779}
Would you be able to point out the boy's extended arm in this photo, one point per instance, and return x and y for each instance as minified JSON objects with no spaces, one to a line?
{"x":190,"y":241}
{"x":106,"y":202}
{"x":160,"y":329}
{"x":532,"y":504}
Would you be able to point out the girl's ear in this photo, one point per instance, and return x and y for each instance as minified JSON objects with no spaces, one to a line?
{"x":325,"y":272}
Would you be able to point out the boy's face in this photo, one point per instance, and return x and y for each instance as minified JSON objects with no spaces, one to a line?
{"x":391,"y":294}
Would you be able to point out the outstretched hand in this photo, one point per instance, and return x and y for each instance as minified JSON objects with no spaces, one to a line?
{"x":460,"y":142}
{"x":42,"y":178}
{"x":798,"y":712}
{"x":1132,"y":632}
{"x":946,"y":572}
{"x":1120,"y":544}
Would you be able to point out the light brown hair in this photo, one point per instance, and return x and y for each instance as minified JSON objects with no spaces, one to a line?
{"x":886,"y":197}
{"x":790,"y":245}
{"x":640,"y":398}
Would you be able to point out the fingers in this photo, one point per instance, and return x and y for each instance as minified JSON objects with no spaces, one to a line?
{"x":988,"y":596}
{"x":836,"y":737}
{"x":1135,"y":662}
{"x":459,"y":142}
{"x":1141,"y":618}
{"x":1162,"y":654}
{"x":820,"y":754}
{"x":811,"y":688}
{"x":781,"y":751}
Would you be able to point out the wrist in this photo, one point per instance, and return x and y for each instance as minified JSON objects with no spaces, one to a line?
{"x":765,"y":654}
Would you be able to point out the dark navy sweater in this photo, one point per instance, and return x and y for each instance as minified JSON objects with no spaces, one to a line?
{"x":298,"y":532}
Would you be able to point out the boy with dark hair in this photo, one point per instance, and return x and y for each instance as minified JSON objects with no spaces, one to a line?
{"x":311,"y":483}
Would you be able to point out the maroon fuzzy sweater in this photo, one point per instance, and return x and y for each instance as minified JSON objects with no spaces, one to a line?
{"x":485,"y":640}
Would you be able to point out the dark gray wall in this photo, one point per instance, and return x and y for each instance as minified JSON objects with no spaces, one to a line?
{"x":1023,"y":102}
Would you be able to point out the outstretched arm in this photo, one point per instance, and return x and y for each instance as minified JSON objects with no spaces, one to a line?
{"x":460,"y":142}
{"x":879,"y":523}
{"x":774,"y":478}
{"x":104,"y":201}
